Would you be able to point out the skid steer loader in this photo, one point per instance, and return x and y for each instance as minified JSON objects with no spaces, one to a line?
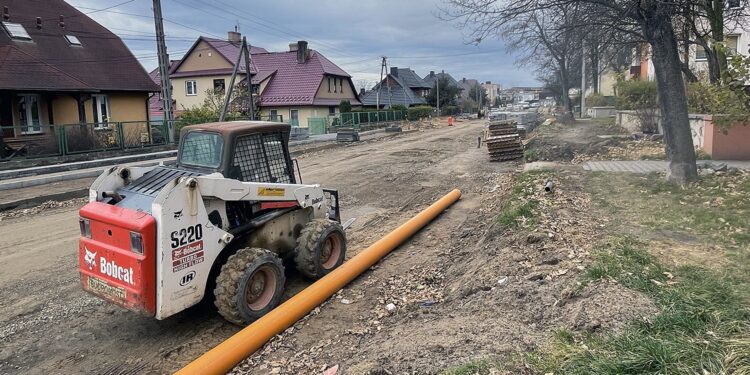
{"x":218,"y":224}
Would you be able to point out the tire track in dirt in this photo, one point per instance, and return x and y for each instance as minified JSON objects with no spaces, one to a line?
{"x":51,"y":326}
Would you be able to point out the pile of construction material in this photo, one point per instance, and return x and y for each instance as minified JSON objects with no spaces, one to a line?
{"x":526,"y":121}
{"x":502,"y":140}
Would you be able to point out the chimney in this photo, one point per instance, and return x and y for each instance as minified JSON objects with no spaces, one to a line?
{"x":302,"y":52}
{"x":293,"y":47}
{"x":432,"y":73}
{"x":234,"y":37}
{"x":463,"y":80}
{"x":394,"y":71}
{"x":6,"y":14}
{"x":361,"y":91}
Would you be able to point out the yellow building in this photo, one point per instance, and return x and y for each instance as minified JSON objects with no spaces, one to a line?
{"x":292,"y":86}
{"x":60,"y":67}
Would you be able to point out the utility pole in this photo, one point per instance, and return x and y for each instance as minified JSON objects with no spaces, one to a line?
{"x":228,"y":91}
{"x":583,"y":83}
{"x":380,"y":84}
{"x":437,"y":94}
{"x":246,"y":49}
{"x":166,"y":86}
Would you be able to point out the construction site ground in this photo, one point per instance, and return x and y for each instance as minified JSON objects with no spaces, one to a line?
{"x":486,"y":288}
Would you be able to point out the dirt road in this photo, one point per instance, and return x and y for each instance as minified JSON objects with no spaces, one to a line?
{"x":50,"y":326}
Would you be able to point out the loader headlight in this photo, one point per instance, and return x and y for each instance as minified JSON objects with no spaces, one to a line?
{"x":136,"y":243}
{"x":85,"y":225}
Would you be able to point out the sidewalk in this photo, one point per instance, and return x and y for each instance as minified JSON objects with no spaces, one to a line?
{"x":648,"y":166}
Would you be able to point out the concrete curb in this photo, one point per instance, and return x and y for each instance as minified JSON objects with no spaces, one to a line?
{"x":56,"y":168}
{"x":31,"y":202}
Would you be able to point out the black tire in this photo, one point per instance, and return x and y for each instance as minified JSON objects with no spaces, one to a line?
{"x":249,"y":285}
{"x":321,"y":247}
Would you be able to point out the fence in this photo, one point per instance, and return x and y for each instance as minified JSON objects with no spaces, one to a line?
{"x":71,"y":139}
{"x":357,"y":119}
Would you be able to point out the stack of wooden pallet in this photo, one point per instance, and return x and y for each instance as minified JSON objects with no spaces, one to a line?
{"x":503,"y":141}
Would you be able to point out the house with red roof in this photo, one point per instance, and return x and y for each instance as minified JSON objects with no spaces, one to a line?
{"x":292,"y":86}
{"x":58,"y":66}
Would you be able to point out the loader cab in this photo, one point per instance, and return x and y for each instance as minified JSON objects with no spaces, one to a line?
{"x":249,"y":151}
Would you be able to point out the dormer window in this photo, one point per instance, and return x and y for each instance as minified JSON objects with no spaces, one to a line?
{"x":16,"y":31}
{"x":73,"y":40}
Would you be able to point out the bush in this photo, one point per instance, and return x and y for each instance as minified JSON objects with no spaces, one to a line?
{"x":642,"y":97}
{"x":633,"y":95}
{"x":727,"y":105}
{"x":345,"y":106}
{"x":399,"y":107}
{"x":449,"y":110}
{"x":420,"y":112}
{"x":599,"y":100}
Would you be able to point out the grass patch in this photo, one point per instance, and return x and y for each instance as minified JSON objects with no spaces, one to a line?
{"x":521,"y":206}
{"x":477,"y":367}
{"x":703,"y":326}
{"x":716,"y":209}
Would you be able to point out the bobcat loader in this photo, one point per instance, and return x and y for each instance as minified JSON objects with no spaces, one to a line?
{"x":218,"y":224}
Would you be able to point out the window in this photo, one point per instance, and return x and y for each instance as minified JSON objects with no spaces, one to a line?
{"x":73,"y":40}
{"x":731,"y":41}
{"x":329,"y":84}
{"x":191,"y":88}
{"x":700,"y":53}
{"x":101,"y":111}
{"x":29,"y":114}
{"x":218,"y":85}
{"x":734,"y":3}
{"x":16,"y":31}
{"x":294,"y":117}
{"x":260,"y":158}
{"x":331,"y":110}
{"x":274,"y":115}
{"x":341,"y":85}
{"x":202,"y":149}
{"x":334,"y":85}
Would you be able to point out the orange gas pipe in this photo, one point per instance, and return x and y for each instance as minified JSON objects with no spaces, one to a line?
{"x":229,"y":353}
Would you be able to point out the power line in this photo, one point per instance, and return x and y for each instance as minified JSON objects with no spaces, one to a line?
{"x":265,"y":25}
{"x":164,"y":18}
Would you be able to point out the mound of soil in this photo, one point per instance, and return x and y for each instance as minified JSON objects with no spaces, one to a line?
{"x":606,"y":305}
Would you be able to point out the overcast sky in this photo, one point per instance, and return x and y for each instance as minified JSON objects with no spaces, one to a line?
{"x":351,"y":33}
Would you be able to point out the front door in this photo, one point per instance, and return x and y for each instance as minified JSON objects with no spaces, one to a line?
{"x":29,"y":114}
{"x":6,"y":116}
{"x":101,"y":110}
{"x":294,"y":117}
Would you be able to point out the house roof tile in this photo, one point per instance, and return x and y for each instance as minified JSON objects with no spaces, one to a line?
{"x":294,"y":83}
{"x":400,"y":94}
{"x":49,"y":62}
{"x":411,"y":79}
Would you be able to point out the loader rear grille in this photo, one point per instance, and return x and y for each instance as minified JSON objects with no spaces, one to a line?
{"x":154,"y":181}
{"x":261,"y":158}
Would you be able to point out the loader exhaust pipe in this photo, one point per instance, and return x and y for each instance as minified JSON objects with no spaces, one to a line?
{"x":229,"y":353}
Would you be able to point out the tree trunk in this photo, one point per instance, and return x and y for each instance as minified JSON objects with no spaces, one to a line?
{"x":659,"y":32}
{"x":595,"y":70}
{"x":564,"y":87}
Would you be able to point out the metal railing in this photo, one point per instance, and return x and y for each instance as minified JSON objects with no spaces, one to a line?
{"x":71,"y":139}
{"x":357,"y":119}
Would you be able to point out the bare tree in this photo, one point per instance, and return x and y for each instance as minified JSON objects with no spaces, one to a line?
{"x":533,"y":32}
{"x":652,"y":20}
{"x":706,"y":22}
